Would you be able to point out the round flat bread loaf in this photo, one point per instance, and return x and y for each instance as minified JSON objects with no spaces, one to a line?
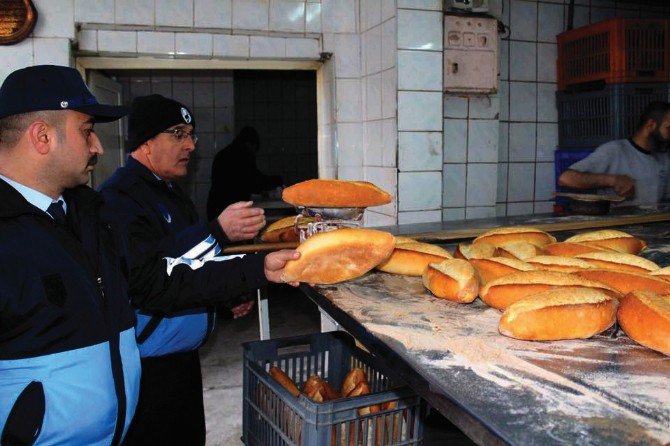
{"x":336,"y":256}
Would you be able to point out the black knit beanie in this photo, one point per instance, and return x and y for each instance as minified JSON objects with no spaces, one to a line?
{"x":150,"y":115}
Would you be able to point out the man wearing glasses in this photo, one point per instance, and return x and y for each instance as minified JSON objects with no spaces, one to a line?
{"x":161,"y":220}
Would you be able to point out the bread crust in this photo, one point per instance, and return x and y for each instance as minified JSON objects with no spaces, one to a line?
{"x":335,"y":193}
{"x":509,"y":289}
{"x":519,"y":250}
{"x":351,"y":380}
{"x":626,"y":281}
{"x":481,"y":250}
{"x":410,"y":259}
{"x":559,"y":313}
{"x":569,"y":249}
{"x":452,"y":279}
{"x":645,"y":317}
{"x":619,"y":261}
{"x":339,"y":255}
{"x":502,"y":236}
{"x":495,"y":267}
{"x":663,"y":273}
{"x":611,"y":239}
{"x":284,"y":380}
{"x":559,"y":263}
{"x":319,"y":389}
{"x":282,"y":230}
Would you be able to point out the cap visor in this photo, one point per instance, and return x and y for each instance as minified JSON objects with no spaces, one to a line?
{"x":104,"y":113}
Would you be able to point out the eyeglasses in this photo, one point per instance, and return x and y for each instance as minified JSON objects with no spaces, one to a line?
{"x":181,"y":134}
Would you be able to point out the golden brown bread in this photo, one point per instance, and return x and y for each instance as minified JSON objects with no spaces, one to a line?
{"x":559,"y":313}
{"x":319,"y":390}
{"x":519,"y":250}
{"x":285,"y":381}
{"x":410,"y":259}
{"x":611,"y":239}
{"x":335,"y":193}
{"x":645,"y":317}
{"x":663,"y":273}
{"x":351,"y":380}
{"x":452,"y":279}
{"x":399,"y":240}
{"x":619,"y":261}
{"x":491,"y":269}
{"x":482,"y":250}
{"x":626,"y":281}
{"x":569,"y":249}
{"x":503,"y":292}
{"x":503,"y":236}
{"x":335,"y":256}
{"x":281,"y":231}
{"x":559,"y":263}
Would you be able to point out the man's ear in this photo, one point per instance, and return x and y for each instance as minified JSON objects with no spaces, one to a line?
{"x":41,"y":136}
{"x":650,"y":125}
{"x":146,"y":148}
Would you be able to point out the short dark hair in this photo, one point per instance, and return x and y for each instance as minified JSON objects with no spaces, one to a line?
{"x":655,"y":110}
{"x":13,"y":127}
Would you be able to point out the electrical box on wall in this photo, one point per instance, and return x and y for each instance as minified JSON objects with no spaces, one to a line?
{"x":493,"y":8}
{"x":470,"y":54}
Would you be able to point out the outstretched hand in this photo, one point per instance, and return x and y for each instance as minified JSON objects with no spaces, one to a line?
{"x":240,"y":221}
{"x":275,"y":263}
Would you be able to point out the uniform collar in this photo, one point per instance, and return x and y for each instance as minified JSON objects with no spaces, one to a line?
{"x":32,"y":196}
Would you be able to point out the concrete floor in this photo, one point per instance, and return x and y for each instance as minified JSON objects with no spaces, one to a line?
{"x":291,"y":314}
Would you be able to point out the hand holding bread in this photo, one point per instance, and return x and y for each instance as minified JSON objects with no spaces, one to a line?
{"x":335,"y":256}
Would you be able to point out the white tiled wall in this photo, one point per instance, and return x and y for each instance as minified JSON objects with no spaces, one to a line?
{"x":382,"y":114}
{"x":420,"y":138}
{"x":378,"y":91}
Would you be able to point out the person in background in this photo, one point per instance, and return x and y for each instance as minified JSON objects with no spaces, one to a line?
{"x":69,"y":361}
{"x":637,"y":168}
{"x":161,"y":219}
{"x":235,"y":175}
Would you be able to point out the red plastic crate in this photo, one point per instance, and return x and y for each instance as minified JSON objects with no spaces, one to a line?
{"x":615,"y":51}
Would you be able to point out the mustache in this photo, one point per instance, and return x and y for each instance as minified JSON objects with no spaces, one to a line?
{"x":92,"y":161}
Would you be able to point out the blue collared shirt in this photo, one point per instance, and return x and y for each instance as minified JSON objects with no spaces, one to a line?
{"x":36,"y":198}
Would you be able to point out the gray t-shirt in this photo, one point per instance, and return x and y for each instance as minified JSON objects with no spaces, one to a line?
{"x":650,"y":171}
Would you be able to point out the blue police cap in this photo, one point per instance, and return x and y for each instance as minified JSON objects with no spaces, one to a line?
{"x":52,"y":87}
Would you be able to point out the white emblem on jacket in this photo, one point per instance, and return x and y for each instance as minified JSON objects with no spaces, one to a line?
{"x":165,"y":213}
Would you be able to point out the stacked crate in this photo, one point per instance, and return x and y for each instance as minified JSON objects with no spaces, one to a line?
{"x":607,"y":73}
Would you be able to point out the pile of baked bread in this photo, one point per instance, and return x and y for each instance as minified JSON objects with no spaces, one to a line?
{"x":355,"y":384}
{"x":550,"y":290}
{"x":546,"y":290}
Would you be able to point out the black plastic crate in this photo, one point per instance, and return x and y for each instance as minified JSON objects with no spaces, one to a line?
{"x":591,"y":118}
{"x":272,"y":416}
{"x":563,"y":159}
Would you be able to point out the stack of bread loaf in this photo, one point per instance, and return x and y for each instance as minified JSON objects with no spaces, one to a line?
{"x":550,"y":290}
{"x":355,"y":384}
{"x":547,"y":290}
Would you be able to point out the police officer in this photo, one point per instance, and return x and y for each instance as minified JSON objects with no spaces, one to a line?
{"x":69,"y":363}
{"x":161,"y":220}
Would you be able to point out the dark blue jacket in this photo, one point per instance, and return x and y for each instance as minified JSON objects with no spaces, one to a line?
{"x":69,"y":365}
{"x":161,"y":221}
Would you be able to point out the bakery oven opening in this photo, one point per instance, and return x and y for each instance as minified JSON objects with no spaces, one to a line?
{"x":281,"y":105}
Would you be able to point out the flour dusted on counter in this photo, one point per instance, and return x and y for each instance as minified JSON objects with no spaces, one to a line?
{"x":584,"y":380}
